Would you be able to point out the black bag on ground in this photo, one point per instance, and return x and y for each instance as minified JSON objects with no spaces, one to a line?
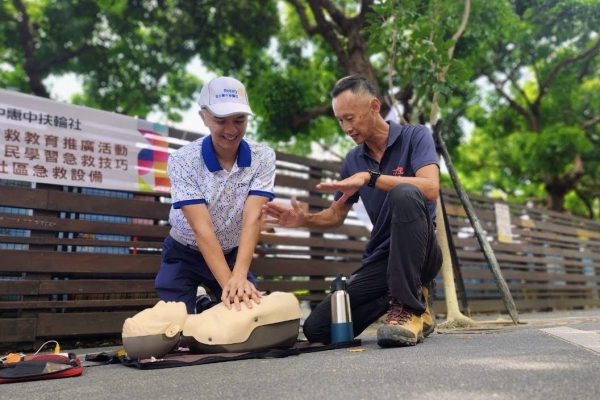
{"x":43,"y":366}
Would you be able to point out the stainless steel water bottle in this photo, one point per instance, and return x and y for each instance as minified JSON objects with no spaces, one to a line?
{"x":341,"y":315}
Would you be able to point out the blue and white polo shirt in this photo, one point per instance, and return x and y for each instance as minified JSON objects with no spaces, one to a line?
{"x":198,"y":178}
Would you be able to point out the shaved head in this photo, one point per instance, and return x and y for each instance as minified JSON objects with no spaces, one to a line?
{"x":357,"y":84}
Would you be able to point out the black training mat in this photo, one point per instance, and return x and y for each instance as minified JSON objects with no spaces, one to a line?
{"x":184,"y":357}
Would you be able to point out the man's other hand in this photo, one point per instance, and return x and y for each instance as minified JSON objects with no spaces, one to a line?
{"x":285,"y":216}
{"x":239,"y":290}
{"x":347,"y":186}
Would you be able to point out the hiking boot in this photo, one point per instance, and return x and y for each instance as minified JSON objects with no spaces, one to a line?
{"x":402,"y":327}
{"x":428,"y":315}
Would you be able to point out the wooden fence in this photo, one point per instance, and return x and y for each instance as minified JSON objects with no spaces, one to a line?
{"x":552,"y":262}
{"x":79,"y":261}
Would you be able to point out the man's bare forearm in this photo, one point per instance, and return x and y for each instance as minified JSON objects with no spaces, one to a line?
{"x":249,"y":235}
{"x":331,"y":217}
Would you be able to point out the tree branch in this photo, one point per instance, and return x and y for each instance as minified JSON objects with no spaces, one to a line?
{"x":62,"y":56}
{"x":591,"y":122}
{"x":310,"y":30}
{"x":509,"y":78}
{"x":586,"y":202}
{"x":461,"y":28}
{"x":435,"y":107}
{"x":516,"y":106}
{"x":307,"y":115}
{"x":327,"y":30}
{"x":563,"y":63}
{"x":360,"y":18}
{"x":578,"y":170}
{"x":365,"y":6}
{"x":336,"y":15}
{"x":389,"y":97}
{"x":520,"y":90}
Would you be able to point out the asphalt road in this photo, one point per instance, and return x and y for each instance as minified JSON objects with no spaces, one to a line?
{"x":553,"y":356}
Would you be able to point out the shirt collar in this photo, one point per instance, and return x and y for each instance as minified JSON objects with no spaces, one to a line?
{"x":393,"y":135}
{"x":244,"y":157}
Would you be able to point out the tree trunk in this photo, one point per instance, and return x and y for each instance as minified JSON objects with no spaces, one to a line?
{"x":27,"y":39}
{"x":556,"y":196}
{"x":358,"y":61}
{"x":557,"y":187}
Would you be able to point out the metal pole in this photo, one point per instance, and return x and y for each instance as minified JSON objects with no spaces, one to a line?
{"x":485,"y":246}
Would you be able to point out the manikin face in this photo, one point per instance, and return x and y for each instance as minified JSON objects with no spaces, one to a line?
{"x":226,"y":132}
{"x":356,"y":114}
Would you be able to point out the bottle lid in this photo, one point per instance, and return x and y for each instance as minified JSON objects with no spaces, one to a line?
{"x":338,"y":283}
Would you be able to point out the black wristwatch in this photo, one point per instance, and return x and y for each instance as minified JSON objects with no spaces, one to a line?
{"x":374,"y":175}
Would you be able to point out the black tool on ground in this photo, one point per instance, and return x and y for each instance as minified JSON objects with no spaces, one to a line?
{"x":341,"y":315}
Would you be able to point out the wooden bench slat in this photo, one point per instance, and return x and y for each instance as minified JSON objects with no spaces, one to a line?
{"x":72,"y":304}
{"x":43,"y":199}
{"x":78,"y":263}
{"x":84,"y":323}
{"x":80,"y":242}
{"x":53,"y":224}
{"x":14,"y":330}
{"x":290,"y":286}
{"x":313,"y":242}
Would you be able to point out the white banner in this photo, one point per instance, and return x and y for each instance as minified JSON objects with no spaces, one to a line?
{"x":503,"y":224}
{"x":46,"y":141}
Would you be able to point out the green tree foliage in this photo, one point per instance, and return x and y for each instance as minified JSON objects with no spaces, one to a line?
{"x":537,"y":132}
{"x":131,"y":55}
{"x":536,"y":125}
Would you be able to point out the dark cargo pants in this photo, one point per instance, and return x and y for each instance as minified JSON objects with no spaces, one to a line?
{"x":414,"y":260}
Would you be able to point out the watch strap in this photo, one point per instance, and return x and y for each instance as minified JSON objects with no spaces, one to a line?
{"x":373,"y":177}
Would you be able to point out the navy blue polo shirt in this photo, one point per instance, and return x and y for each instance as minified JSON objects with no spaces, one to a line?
{"x":409,"y":148}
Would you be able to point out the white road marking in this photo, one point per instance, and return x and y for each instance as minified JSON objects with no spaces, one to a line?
{"x":587,"y":339}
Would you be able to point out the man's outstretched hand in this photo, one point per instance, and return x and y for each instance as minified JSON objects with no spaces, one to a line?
{"x":285,"y":216}
{"x":347,"y":186}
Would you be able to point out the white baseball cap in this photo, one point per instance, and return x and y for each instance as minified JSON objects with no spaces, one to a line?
{"x":224,"y":96}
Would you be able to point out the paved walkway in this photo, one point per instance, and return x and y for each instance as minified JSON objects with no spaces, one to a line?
{"x":552,"y":356}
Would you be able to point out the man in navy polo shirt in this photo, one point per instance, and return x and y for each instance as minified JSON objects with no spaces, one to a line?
{"x":219,"y":184}
{"x":394,"y":170}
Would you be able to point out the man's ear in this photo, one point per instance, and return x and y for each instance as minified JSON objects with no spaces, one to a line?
{"x":375,"y":105}
{"x":201,"y":112}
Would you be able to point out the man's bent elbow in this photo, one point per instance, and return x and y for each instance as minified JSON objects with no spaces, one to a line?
{"x":432,"y":194}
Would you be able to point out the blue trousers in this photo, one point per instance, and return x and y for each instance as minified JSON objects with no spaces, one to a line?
{"x":183,"y":269}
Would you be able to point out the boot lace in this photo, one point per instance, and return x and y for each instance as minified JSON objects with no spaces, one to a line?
{"x":397,"y":313}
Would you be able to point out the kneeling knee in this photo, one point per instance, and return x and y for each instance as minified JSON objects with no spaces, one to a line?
{"x":405,"y":194}
{"x":407,"y":203}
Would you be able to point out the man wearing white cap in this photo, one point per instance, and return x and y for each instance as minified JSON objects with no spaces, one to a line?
{"x":219,"y":184}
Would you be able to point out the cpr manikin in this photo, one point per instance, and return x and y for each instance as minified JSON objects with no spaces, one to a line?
{"x":156,"y":331}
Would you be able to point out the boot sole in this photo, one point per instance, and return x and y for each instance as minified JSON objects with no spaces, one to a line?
{"x":390,"y":337}
{"x":428,"y":330}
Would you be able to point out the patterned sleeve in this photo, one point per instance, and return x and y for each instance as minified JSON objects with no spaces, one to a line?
{"x":264,"y":180}
{"x":185,"y":188}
